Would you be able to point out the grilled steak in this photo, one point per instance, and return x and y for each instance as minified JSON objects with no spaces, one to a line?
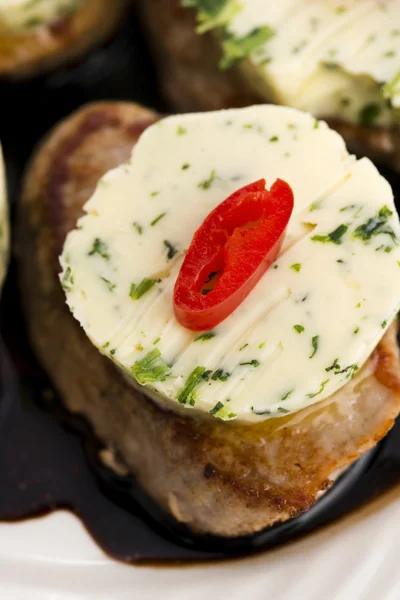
{"x":223,"y":478}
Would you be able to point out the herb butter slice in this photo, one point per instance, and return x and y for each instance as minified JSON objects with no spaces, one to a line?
{"x":334,"y":58}
{"x":314,"y":317}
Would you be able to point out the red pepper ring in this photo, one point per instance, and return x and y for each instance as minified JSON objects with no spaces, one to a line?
{"x":236,"y":243}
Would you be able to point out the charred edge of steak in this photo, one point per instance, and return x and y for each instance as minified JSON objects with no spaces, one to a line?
{"x":59,"y":171}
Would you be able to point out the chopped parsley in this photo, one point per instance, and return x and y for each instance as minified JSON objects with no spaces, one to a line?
{"x":185,"y":167}
{"x":321,"y":389}
{"x":158,"y":339}
{"x":106,"y":345}
{"x":316,"y":205}
{"x":314,"y":343}
{"x":207,"y":183}
{"x":213,"y":13}
{"x":274,"y":138}
{"x":138,"y":228}
{"x":237,"y":49}
{"x":222,"y":412}
{"x":350,"y":371}
{"x":151,"y":368}
{"x":296,"y":267}
{"x":286,"y":396}
{"x":186,"y":395}
{"x":68,"y":280}
{"x":337,"y":369}
{"x":208,"y":335}
{"x":206,"y":375}
{"x":299,"y":47}
{"x":384,"y":324}
{"x":375,"y":226}
{"x":111,"y":286}
{"x":220,"y":375}
{"x":137,"y":290}
{"x":284,"y":411}
{"x":335,"y":365}
{"x":349,"y":207}
{"x":157,"y":219}
{"x":243,"y":347}
{"x":180,"y":130}
{"x":171,"y":249}
{"x":101,"y":248}
{"x":252,"y":363}
{"x":298,"y":328}
{"x":334,"y":237}
{"x":389,"y":54}
{"x":369,"y":114}
{"x":216,"y":408}
{"x":330,"y":66}
{"x":357,"y":329}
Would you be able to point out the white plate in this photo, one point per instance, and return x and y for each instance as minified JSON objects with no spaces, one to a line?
{"x":356,"y":558}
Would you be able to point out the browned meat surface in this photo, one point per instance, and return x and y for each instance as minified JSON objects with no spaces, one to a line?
{"x":220,"y":478}
{"x":191,"y":80}
{"x":49,"y":46}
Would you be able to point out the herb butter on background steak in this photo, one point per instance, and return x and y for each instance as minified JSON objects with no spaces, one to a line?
{"x":338,"y":60}
{"x":221,"y":478}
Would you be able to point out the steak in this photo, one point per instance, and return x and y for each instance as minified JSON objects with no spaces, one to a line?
{"x":221,"y":478}
{"x":192,"y":81}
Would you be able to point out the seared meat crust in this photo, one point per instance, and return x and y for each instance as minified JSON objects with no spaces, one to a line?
{"x":220,"y":478}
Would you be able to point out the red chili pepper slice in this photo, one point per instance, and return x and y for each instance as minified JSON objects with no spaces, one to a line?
{"x":237,"y":242}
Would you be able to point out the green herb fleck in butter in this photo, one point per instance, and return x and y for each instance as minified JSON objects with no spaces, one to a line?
{"x":205,"y":336}
{"x":151,"y":368}
{"x":101,"y":248}
{"x":335,"y":236}
{"x":187,"y":394}
{"x":171,"y":249}
{"x":138,"y":290}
